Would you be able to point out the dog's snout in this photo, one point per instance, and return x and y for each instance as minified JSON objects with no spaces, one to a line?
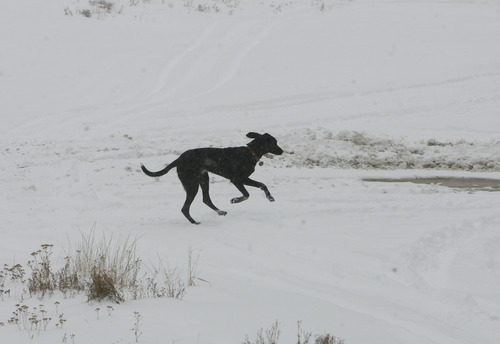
{"x":278,"y":151}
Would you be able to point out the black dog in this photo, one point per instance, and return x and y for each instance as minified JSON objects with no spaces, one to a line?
{"x":235,"y":164}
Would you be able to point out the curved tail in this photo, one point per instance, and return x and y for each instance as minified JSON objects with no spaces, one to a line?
{"x":159,"y":173}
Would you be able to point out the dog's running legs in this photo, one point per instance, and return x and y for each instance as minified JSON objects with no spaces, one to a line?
{"x":191,"y":191}
{"x":204,"y":182}
{"x":261,"y":186}
{"x":249,"y":182}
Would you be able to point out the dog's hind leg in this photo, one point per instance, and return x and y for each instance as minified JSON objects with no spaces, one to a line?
{"x":239,"y":185}
{"x":191,"y":191}
{"x":204,"y":182}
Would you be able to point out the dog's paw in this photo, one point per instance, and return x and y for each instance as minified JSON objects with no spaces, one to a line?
{"x":222,"y":212}
{"x":238,"y":199}
{"x":270,"y":198}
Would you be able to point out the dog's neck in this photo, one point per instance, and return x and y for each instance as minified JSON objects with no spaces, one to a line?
{"x":252,"y":151}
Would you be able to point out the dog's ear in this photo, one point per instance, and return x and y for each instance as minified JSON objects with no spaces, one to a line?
{"x":253,"y":135}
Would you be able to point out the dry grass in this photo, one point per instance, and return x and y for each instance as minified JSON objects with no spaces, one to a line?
{"x":271,"y":336}
{"x":103,"y":267}
{"x":107,"y":266}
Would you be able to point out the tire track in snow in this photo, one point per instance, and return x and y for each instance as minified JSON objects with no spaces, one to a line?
{"x":162,"y":82}
{"x":238,"y":60}
{"x":194,"y":68}
{"x":317,"y":97}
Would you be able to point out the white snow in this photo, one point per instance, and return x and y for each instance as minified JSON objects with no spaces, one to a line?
{"x":351,"y":89}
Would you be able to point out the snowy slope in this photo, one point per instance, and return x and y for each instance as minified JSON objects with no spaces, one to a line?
{"x":351,"y":89}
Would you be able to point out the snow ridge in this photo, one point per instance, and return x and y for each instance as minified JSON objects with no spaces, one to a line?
{"x":361,"y":150}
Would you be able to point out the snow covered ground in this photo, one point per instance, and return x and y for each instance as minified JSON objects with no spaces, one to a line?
{"x":352,"y":90}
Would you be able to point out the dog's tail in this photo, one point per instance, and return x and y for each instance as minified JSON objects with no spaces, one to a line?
{"x":159,"y":173}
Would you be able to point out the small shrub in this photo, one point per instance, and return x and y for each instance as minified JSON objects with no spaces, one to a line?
{"x":10,"y":274}
{"x":69,"y":280}
{"x":15,"y":273}
{"x":42,"y":280}
{"x":302,"y":338}
{"x":86,"y":13}
{"x":102,"y":4}
{"x":271,"y":335}
{"x":103,"y":287}
{"x":33,"y":320}
{"x":328,"y":339}
{"x":137,"y":326}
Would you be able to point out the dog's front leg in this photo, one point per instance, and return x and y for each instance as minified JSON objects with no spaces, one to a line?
{"x":261,"y":186}
{"x":241,"y":186}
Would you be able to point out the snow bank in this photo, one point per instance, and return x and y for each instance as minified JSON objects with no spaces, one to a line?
{"x":351,"y":149}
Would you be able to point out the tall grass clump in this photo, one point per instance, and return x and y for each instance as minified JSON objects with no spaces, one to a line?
{"x":104,"y":268}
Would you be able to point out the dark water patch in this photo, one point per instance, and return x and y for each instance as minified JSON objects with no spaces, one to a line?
{"x":471,"y":184}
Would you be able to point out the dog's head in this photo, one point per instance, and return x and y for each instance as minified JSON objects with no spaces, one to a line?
{"x":266,"y":143}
